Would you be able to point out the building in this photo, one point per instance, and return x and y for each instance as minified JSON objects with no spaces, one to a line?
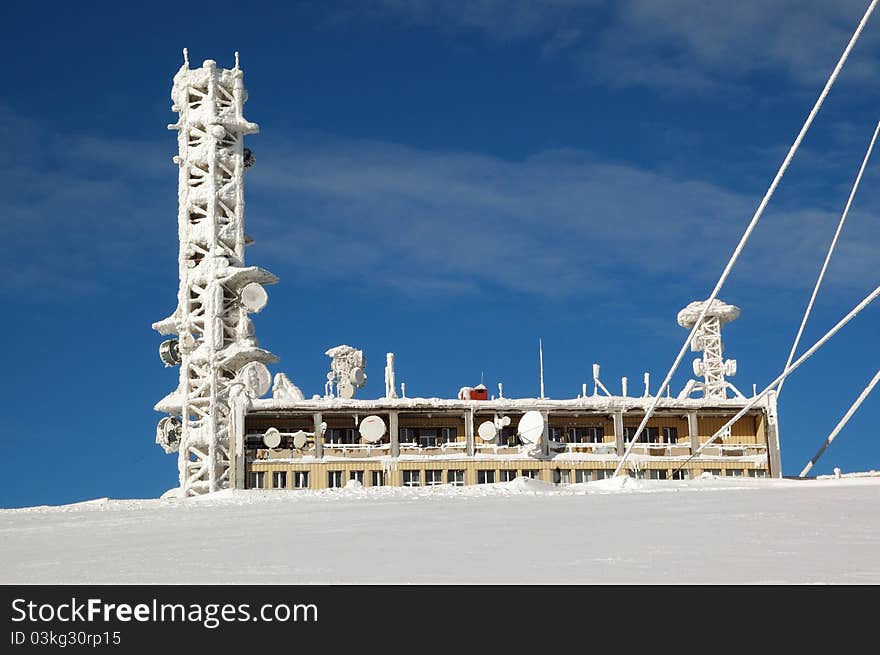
{"x":227,"y":435}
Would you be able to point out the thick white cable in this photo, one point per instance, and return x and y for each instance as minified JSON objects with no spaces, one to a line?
{"x":789,"y":369}
{"x":821,"y":277}
{"x":846,"y":417}
{"x":747,"y":233}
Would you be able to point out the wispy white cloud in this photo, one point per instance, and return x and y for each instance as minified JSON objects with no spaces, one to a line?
{"x":674,"y":45}
{"x":556,"y":224}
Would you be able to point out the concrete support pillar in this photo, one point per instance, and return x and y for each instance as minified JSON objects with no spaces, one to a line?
{"x":773,"y":453}
{"x":469,"y":431}
{"x":618,"y":432}
{"x":545,"y":437}
{"x":236,"y":446}
{"x":319,"y":438}
{"x":693,"y":431}
{"x":394,"y":433}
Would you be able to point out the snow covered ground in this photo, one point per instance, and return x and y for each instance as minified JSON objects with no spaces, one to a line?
{"x":525,"y":531}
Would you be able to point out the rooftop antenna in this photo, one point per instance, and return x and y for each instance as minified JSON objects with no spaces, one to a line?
{"x":236,"y":60}
{"x":186,"y":57}
{"x":541,"y":364}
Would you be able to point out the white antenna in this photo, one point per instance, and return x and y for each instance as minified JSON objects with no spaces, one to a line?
{"x":186,"y":57}
{"x":541,"y":364}
{"x":500,"y":390}
{"x":623,"y":386}
{"x":584,"y":390}
{"x":647,"y":384}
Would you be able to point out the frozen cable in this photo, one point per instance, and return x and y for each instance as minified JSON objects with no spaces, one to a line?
{"x":809,"y":308}
{"x":747,"y":233}
{"x":846,"y":417}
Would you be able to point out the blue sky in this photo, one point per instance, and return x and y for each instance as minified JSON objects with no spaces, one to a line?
{"x":449,"y":181}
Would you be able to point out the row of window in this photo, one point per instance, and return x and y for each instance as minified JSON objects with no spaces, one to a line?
{"x":456,"y":477}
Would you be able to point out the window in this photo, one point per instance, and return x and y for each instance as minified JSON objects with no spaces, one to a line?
{"x":670,"y":435}
{"x":300,"y":479}
{"x":433,"y":477}
{"x":279,"y":480}
{"x":656,"y":474}
{"x":562,"y":476}
{"x":378,"y":478}
{"x":735,"y":473}
{"x":712,"y":472}
{"x":555,"y":434}
{"x":342,"y":436}
{"x":356,"y":475}
{"x":588,"y":475}
{"x":412,"y":479}
{"x":448,"y":435}
{"x":485,"y":476}
{"x":529,"y":473}
{"x":757,"y":473}
{"x":258,"y":479}
{"x":508,"y":474}
{"x":427,"y":437}
{"x":455,"y":477}
{"x":508,"y":437}
{"x":681,"y":474}
{"x":586,"y":435}
{"x":334,"y":479}
{"x":649,"y":434}
{"x":407,"y":435}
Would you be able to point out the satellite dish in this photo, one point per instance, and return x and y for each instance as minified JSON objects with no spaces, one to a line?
{"x":253,"y":297}
{"x":372,"y":429}
{"x":531,"y":427}
{"x":357,"y":377}
{"x":346,"y":390}
{"x":300,"y":439}
{"x":698,"y":367}
{"x":487,"y":431}
{"x":504,"y":421}
{"x":272,"y":438}
{"x":169,"y":352}
{"x":256,"y":378}
{"x":168,"y":433}
{"x":730,"y":367}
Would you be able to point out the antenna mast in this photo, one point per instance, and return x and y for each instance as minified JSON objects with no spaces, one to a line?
{"x":541,"y":365}
{"x":220,"y":363}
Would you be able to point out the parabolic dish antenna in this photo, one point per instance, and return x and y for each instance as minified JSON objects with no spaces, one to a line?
{"x":372,"y":429}
{"x":300,"y":439}
{"x":357,"y":377}
{"x":169,"y":352}
{"x":487,"y":431}
{"x":504,"y":421}
{"x":531,"y":427}
{"x":253,"y":297}
{"x":256,"y":378}
{"x":272,"y":438}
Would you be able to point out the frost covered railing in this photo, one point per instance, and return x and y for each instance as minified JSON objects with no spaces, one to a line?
{"x":597,"y":447}
{"x":356,"y":450}
{"x":416,"y":448}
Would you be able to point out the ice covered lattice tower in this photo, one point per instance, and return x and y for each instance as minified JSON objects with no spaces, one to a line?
{"x":214,"y":345}
{"x":712,"y":366}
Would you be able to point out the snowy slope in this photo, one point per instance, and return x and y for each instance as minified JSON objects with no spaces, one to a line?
{"x":700,"y":531}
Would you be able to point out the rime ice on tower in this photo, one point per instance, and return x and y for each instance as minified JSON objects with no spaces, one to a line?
{"x":712,"y":366}
{"x":221,"y":365}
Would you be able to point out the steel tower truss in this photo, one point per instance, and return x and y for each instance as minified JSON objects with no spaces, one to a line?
{"x":215,"y":344}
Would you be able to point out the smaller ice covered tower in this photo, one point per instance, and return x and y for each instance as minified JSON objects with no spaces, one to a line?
{"x":712,"y":367}
{"x":220,"y":362}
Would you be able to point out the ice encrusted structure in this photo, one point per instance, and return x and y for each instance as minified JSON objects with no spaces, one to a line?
{"x":215,"y":336}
